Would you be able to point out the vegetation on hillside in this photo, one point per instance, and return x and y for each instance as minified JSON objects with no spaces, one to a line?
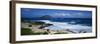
{"x":27,"y":31}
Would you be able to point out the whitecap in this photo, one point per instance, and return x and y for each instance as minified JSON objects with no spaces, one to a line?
{"x":66,"y":25}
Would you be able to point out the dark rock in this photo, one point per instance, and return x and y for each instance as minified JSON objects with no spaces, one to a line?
{"x":44,"y":25}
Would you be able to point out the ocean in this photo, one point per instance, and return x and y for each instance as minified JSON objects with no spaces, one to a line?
{"x":73,"y":24}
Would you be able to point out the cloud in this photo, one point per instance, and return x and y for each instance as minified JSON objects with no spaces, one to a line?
{"x":62,"y":14}
{"x":79,"y":13}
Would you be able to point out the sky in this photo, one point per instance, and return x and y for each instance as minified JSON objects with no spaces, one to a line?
{"x":56,"y":13}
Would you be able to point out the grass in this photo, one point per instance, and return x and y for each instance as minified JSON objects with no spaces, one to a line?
{"x":27,"y":31}
{"x":61,"y":33}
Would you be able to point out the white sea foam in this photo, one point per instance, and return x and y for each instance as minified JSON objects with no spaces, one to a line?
{"x":65,"y":25}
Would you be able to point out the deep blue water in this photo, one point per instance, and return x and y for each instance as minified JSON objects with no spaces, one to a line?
{"x":82,"y":21}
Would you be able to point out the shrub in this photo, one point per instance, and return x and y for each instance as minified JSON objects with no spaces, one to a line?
{"x":26,"y":31}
